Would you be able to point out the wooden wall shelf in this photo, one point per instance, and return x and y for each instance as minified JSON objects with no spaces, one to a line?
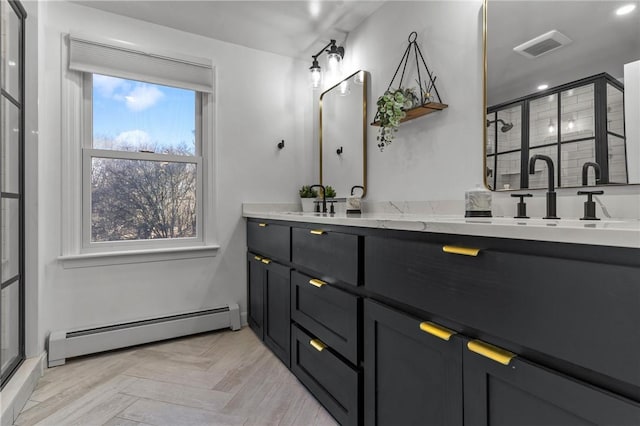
{"x":419,"y":111}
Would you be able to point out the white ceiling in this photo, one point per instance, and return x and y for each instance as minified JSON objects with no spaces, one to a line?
{"x":292,"y":28}
{"x":602,"y":42}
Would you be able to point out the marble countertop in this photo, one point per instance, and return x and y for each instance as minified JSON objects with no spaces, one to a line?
{"x":606,"y":232}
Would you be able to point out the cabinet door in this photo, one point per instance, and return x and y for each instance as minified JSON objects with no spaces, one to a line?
{"x":255,"y":294}
{"x":523,"y":393}
{"x":411,"y":377}
{"x":277,"y":315}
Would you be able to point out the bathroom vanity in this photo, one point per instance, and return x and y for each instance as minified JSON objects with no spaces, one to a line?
{"x":427,"y":320}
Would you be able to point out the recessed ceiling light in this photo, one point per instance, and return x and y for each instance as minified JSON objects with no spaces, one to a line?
{"x":543,"y":87}
{"x":11,"y":63}
{"x":625,"y":9}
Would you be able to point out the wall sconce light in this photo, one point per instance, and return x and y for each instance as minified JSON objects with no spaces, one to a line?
{"x":551,"y":127}
{"x":334,"y":59}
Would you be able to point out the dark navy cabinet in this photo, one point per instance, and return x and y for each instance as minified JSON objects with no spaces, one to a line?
{"x":412,"y":376}
{"x":407,"y":328}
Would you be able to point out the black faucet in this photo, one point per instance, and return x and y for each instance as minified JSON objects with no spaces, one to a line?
{"x":324,"y":198}
{"x":551,"y":193}
{"x":585,"y":172}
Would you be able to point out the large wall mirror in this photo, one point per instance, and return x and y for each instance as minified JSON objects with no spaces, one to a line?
{"x":343,"y":134}
{"x":563,"y":80}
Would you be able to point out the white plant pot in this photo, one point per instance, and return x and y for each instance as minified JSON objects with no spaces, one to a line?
{"x":307,"y":204}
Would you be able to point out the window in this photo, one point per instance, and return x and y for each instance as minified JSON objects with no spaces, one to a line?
{"x":137,"y":158}
{"x":143,"y":161}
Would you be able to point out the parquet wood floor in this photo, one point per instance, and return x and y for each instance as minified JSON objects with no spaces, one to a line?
{"x":218,"y":378}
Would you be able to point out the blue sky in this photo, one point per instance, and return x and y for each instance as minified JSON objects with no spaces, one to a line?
{"x":132,"y":112}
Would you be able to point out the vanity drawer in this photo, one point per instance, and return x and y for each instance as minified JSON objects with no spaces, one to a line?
{"x":333,"y":382}
{"x":560,"y":307}
{"x":329,"y":313}
{"x":269,"y":239}
{"x":334,"y":254}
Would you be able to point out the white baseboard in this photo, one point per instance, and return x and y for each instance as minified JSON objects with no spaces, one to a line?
{"x":17,"y":392}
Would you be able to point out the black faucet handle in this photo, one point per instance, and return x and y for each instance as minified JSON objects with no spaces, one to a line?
{"x":589,"y":194}
{"x":589,"y":205}
{"x":522,"y":206}
{"x":332,"y":209}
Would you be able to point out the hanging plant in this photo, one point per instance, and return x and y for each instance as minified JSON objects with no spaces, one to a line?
{"x":391,"y":109}
{"x":399,"y":105}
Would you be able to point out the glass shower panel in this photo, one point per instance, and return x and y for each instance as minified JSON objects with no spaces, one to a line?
{"x":617,"y":160}
{"x":491,"y":134}
{"x":509,"y":129}
{"x":9,"y":146}
{"x":9,"y":325}
{"x":615,"y":110}
{"x":573,"y":155}
{"x":540,"y":178}
{"x":10,"y":220}
{"x":10,"y":50}
{"x":578,"y":113}
{"x":543,"y":121}
{"x":508,"y":176}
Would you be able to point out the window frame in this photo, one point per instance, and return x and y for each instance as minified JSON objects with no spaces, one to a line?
{"x":89,"y":152}
{"x":74,"y":253}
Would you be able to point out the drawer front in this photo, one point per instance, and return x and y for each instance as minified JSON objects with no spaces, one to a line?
{"x":327,"y":312}
{"x":525,"y":393}
{"x":334,"y":254}
{"x":559,"y":307}
{"x":332,"y":381}
{"x":269,"y":240}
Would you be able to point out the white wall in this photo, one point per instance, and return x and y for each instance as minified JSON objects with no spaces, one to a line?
{"x":436,"y":157}
{"x":253,"y":112}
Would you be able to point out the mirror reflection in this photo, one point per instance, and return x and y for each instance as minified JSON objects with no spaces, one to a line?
{"x":343,"y":134}
{"x":563,"y":80}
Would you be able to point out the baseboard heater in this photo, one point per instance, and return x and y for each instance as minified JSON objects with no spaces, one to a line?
{"x":68,"y":344}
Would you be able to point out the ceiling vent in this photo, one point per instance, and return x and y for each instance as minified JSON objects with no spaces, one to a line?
{"x":547,"y":42}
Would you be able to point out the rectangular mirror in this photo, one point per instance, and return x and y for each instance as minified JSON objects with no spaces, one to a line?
{"x":343,"y":134}
{"x":562,"y":79}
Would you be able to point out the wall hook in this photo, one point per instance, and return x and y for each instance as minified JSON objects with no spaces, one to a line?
{"x":339,"y":151}
{"x":281,"y":144}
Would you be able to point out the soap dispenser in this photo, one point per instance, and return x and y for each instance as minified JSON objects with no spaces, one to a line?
{"x":477,"y":202}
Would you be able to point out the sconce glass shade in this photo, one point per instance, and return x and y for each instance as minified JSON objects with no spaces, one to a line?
{"x":334,"y":61}
{"x":359,"y":78}
{"x":315,"y":75}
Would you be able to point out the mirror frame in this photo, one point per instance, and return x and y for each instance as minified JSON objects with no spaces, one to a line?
{"x":365,"y":88}
{"x":484,"y":117}
{"x":484,"y":94}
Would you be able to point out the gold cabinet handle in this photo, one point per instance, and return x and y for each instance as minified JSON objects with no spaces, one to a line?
{"x":258,"y":258}
{"x":437,"y":330}
{"x":262,"y":225}
{"x":316,"y":282}
{"x":265,"y":261}
{"x":465,"y":251}
{"x":494,"y":353}
{"x":317,"y":232}
{"x":317,"y":345}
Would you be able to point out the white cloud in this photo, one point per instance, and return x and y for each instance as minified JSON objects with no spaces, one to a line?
{"x":107,"y":86}
{"x":133,"y":139}
{"x":143,"y":96}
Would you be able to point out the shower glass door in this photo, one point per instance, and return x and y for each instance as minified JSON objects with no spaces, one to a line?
{"x":12,"y":16}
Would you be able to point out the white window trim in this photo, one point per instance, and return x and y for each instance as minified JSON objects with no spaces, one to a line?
{"x":73,"y":252}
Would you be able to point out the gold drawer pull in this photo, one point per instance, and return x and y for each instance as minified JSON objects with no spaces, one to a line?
{"x":465,"y":251}
{"x":317,"y":344}
{"x":262,"y":225}
{"x":316,"y":282}
{"x":317,"y":232}
{"x":265,"y":261}
{"x":437,"y":330}
{"x":492,"y":352}
{"x":258,"y":258}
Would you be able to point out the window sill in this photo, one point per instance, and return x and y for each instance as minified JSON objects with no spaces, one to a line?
{"x":109,"y":258}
